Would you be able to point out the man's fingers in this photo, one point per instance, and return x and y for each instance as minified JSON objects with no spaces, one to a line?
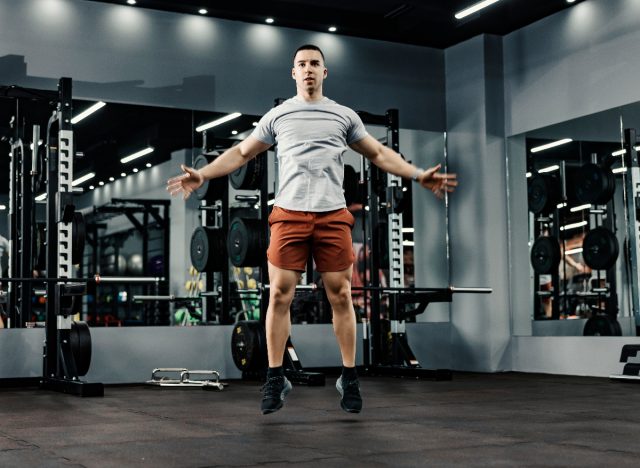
{"x":179,"y":178}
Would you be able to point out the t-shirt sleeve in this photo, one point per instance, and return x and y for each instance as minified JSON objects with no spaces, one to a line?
{"x":357,"y":130}
{"x":264,"y":130}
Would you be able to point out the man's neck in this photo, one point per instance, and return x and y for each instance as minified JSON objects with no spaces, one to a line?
{"x":310,"y":97}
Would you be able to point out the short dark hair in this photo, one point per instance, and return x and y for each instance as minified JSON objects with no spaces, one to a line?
{"x":308,"y":47}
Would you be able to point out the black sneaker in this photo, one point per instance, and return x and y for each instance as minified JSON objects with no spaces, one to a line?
{"x":274,"y":391}
{"x":350,"y":399}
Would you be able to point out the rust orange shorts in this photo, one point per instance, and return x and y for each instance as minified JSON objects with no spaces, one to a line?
{"x":327,"y":235}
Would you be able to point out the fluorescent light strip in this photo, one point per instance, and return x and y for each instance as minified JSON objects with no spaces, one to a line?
{"x":408,"y":230}
{"x":473,"y":8}
{"x":573,"y":226}
{"x":137,"y":154}
{"x":555,"y":167}
{"x":619,"y":170}
{"x":220,"y":121}
{"x":553,"y":144}
{"x":3,"y":207}
{"x":82,"y":179}
{"x":271,"y":202}
{"x":41,"y":197}
{"x":573,"y":251}
{"x":408,"y":243}
{"x":580,"y":208}
{"x":619,"y":152}
{"x":98,"y":105}
{"x":561,"y":205}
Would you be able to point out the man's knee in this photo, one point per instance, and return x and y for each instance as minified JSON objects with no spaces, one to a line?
{"x":340,"y":298}
{"x":281,"y":296}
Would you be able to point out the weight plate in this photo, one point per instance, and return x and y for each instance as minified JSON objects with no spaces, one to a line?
{"x":594,"y":184}
{"x":210,"y":190}
{"x":545,"y":255}
{"x":602,"y":325}
{"x":600,"y":248}
{"x":248,"y":345}
{"x":78,"y":236}
{"x":250,"y":175}
{"x":350,"y":185}
{"x":208,"y":249}
{"x":246,"y":243}
{"x":543,"y":193}
{"x":80,"y":343}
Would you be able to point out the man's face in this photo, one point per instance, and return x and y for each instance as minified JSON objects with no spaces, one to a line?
{"x":308,"y":70}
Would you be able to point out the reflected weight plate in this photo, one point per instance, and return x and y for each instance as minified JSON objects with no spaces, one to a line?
{"x":250,"y":175}
{"x":602,"y":325}
{"x":78,"y":236}
{"x":208,"y":249}
{"x":543,"y":192}
{"x":600,"y":248}
{"x":249,"y":345}
{"x":80,"y":342}
{"x":594,"y":184}
{"x":212,"y":189}
{"x":545,"y":255}
{"x":245,"y":242}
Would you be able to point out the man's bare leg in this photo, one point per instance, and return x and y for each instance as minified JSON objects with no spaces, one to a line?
{"x":278,"y":322}
{"x":338,"y":286}
{"x":282,"y":288}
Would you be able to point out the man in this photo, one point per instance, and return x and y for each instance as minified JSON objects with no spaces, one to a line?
{"x":312,"y":133}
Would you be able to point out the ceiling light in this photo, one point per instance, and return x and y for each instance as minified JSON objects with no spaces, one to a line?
{"x":255,"y":124}
{"x":269,"y":20}
{"x":561,"y":205}
{"x":570,"y":1}
{"x":135,"y":169}
{"x":137,"y":154}
{"x":234,"y":132}
{"x":408,"y":243}
{"x":333,"y":29}
{"x":473,"y":8}
{"x":271,"y":202}
{"x":148,"y":164}
{"x":123,"y":174}
{"x":217,"y":122}
{"x":82,"y":179}
{"x":203,"y":11}
{"x":551,"y":145}
{"x":555,"y":167}
{"x":91,"y":187}
{"x":580,"y":208}
{"x":573,"y":251}
{"x":88,"y":112}
{"x":619,"y":152}
{"x":619,"y":170}
{"x":41,"y":197}
{"x":3,"y":207}
{"x":566,"y":227}
{"x":100,"y":183}
{"x":408,"y":230}
{"x":131,"y":2}
{"x":528,"y":174}
{"x":111,"y":179}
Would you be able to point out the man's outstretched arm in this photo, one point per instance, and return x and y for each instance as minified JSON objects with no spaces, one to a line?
{"x":390,"y":161}
{"x":226,"y":163}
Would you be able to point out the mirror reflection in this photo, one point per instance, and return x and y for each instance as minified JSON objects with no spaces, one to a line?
{"x":581,"y":200}
{"x":166,"y":262}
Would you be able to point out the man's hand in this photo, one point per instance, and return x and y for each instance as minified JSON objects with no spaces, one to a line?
{"x":437,"y":182}
{"x":185,"y":183}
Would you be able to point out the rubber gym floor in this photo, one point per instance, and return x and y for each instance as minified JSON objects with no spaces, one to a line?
{"x":507,"y":419}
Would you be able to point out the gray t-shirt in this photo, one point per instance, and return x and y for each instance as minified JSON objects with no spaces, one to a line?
{"x":312,"y":138}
